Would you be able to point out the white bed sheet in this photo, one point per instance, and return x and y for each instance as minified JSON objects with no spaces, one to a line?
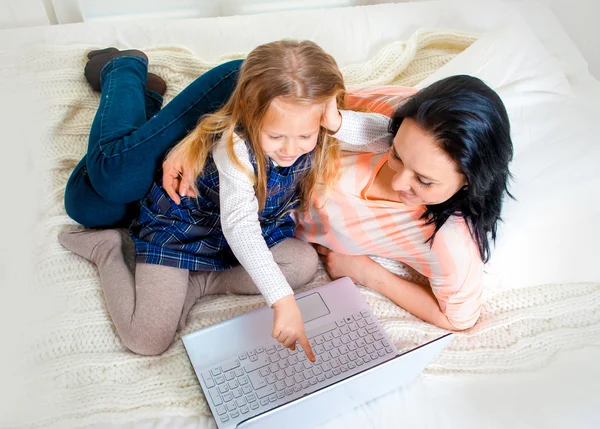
{"x":559,"y":395}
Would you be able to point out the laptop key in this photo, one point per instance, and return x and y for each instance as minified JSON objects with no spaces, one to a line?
{"x":271,"y":379}
{"x":228,"y":366}
{"x":374,"y":355}
{"x":231,"y":406}
{"x":297,"y":388}
{"x":257,"y":364}
{"x":305,"y":384}
{"x":237,"y":392}
{"x":265,"y":391}
{"x":273,"y":398}
{"x":254,"y":405}
{"x":280,"y":385}
{"x":373,"y":328}
{"x":221,"y":410}
{"x":321,"y":377}
{"x":224,"y":419}
{"x":244,"y":409}
{"x":215,"y":371}
{"x":280,"y":394}
{"x":337,"y":371}
{"x":234,"y":414}
{"x":289,"y":391}
{"x":381,"y":353}
{"x":251,"y":397}
{"x":215,"y":397}
{"x":228,"y":397}
{"x":264,"y":401}
{"x":329,"y":374}
{"x":257,"y":380}
{"x":247,"y":389}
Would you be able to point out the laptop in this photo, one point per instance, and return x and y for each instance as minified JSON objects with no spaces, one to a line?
{"x":251,"y":381}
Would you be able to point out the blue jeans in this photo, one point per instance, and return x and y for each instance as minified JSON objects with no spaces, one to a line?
{"x":130,"y":136}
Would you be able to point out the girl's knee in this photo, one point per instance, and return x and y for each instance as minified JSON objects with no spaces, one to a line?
{"x":149,"y":342}
{"x":298,"y":260}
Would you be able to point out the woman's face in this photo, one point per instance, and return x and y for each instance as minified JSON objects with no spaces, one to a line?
{"x":423,"y":173}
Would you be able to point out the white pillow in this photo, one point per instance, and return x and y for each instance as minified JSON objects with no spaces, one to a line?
{"x":551,"y":233}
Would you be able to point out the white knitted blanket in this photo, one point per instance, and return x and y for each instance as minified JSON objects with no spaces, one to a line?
{"x":83,"y":374}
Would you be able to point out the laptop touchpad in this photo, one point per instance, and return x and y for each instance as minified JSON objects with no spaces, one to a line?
{"x":312,"y":307}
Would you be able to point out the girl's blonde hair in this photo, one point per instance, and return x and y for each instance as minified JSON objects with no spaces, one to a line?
{"x":296,"y":71}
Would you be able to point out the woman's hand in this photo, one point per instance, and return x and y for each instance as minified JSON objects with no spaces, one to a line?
{"x":288,"y":326}
{"x":332,"y":119}
{"x":175,"y":180}
{"x":340,"y":265}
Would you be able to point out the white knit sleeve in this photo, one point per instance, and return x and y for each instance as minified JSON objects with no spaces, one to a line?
{"x":364,"y":132}
{"x":241,"y":227}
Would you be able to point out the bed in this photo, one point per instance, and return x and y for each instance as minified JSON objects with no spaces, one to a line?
{"x":529,"y":362}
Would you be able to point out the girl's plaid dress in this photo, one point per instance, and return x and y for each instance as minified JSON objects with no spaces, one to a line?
{"x":189,"y":235}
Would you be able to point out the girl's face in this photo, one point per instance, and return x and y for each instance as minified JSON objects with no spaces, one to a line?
{"x":423,"y":172}
{"x":290,"y":130}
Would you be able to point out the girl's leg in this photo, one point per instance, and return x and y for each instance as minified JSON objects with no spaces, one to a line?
{"x":146,"y":308}
{"x":126,"y":149}
{"x":297,"y":259}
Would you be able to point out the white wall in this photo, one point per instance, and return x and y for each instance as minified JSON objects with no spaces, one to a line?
{"x":580,"y":18}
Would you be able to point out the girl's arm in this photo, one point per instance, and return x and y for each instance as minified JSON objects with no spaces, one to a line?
{"x":241,"y":227}
{"x":242,"y":230}
{"x":414,"y":298}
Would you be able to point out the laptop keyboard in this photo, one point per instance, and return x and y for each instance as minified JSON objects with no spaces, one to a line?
{"x":260,"y":379}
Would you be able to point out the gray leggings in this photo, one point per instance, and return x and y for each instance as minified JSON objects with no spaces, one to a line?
{"x":148,"y":309}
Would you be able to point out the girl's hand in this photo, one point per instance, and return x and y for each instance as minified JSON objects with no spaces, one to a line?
{"x":332,"y":119}
{"x":339,"y":265}
{"x":288,"y":326}
{"x":175,"y":180}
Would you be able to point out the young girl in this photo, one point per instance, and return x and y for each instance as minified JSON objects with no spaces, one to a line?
{"x":258,"y":158}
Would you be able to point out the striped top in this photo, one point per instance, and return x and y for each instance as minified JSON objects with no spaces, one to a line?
{"x":350,"y":223}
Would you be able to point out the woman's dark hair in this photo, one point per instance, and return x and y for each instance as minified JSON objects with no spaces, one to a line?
{"x":469,"y":121}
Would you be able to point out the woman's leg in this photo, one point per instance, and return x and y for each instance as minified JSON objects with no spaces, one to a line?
{"x":125,"y":148}
{"x":297,"y":260}
{"x":146,"y":308}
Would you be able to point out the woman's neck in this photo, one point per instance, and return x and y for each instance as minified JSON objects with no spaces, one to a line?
{"x":380,"y":189}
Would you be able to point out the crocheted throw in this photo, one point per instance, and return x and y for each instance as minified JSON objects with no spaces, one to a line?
{"x":84,"y":375}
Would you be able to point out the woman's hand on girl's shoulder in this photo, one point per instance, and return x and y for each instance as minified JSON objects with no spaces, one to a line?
{"x":176,"y":182}
{"x":332,"y":119}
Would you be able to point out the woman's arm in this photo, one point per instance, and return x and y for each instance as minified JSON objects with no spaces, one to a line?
{"x":414,"y":298}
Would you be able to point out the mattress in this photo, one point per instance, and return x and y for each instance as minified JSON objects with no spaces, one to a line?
{"x":558,"y":394}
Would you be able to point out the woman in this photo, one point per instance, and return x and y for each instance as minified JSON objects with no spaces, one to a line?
{"x":433,"y":201}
